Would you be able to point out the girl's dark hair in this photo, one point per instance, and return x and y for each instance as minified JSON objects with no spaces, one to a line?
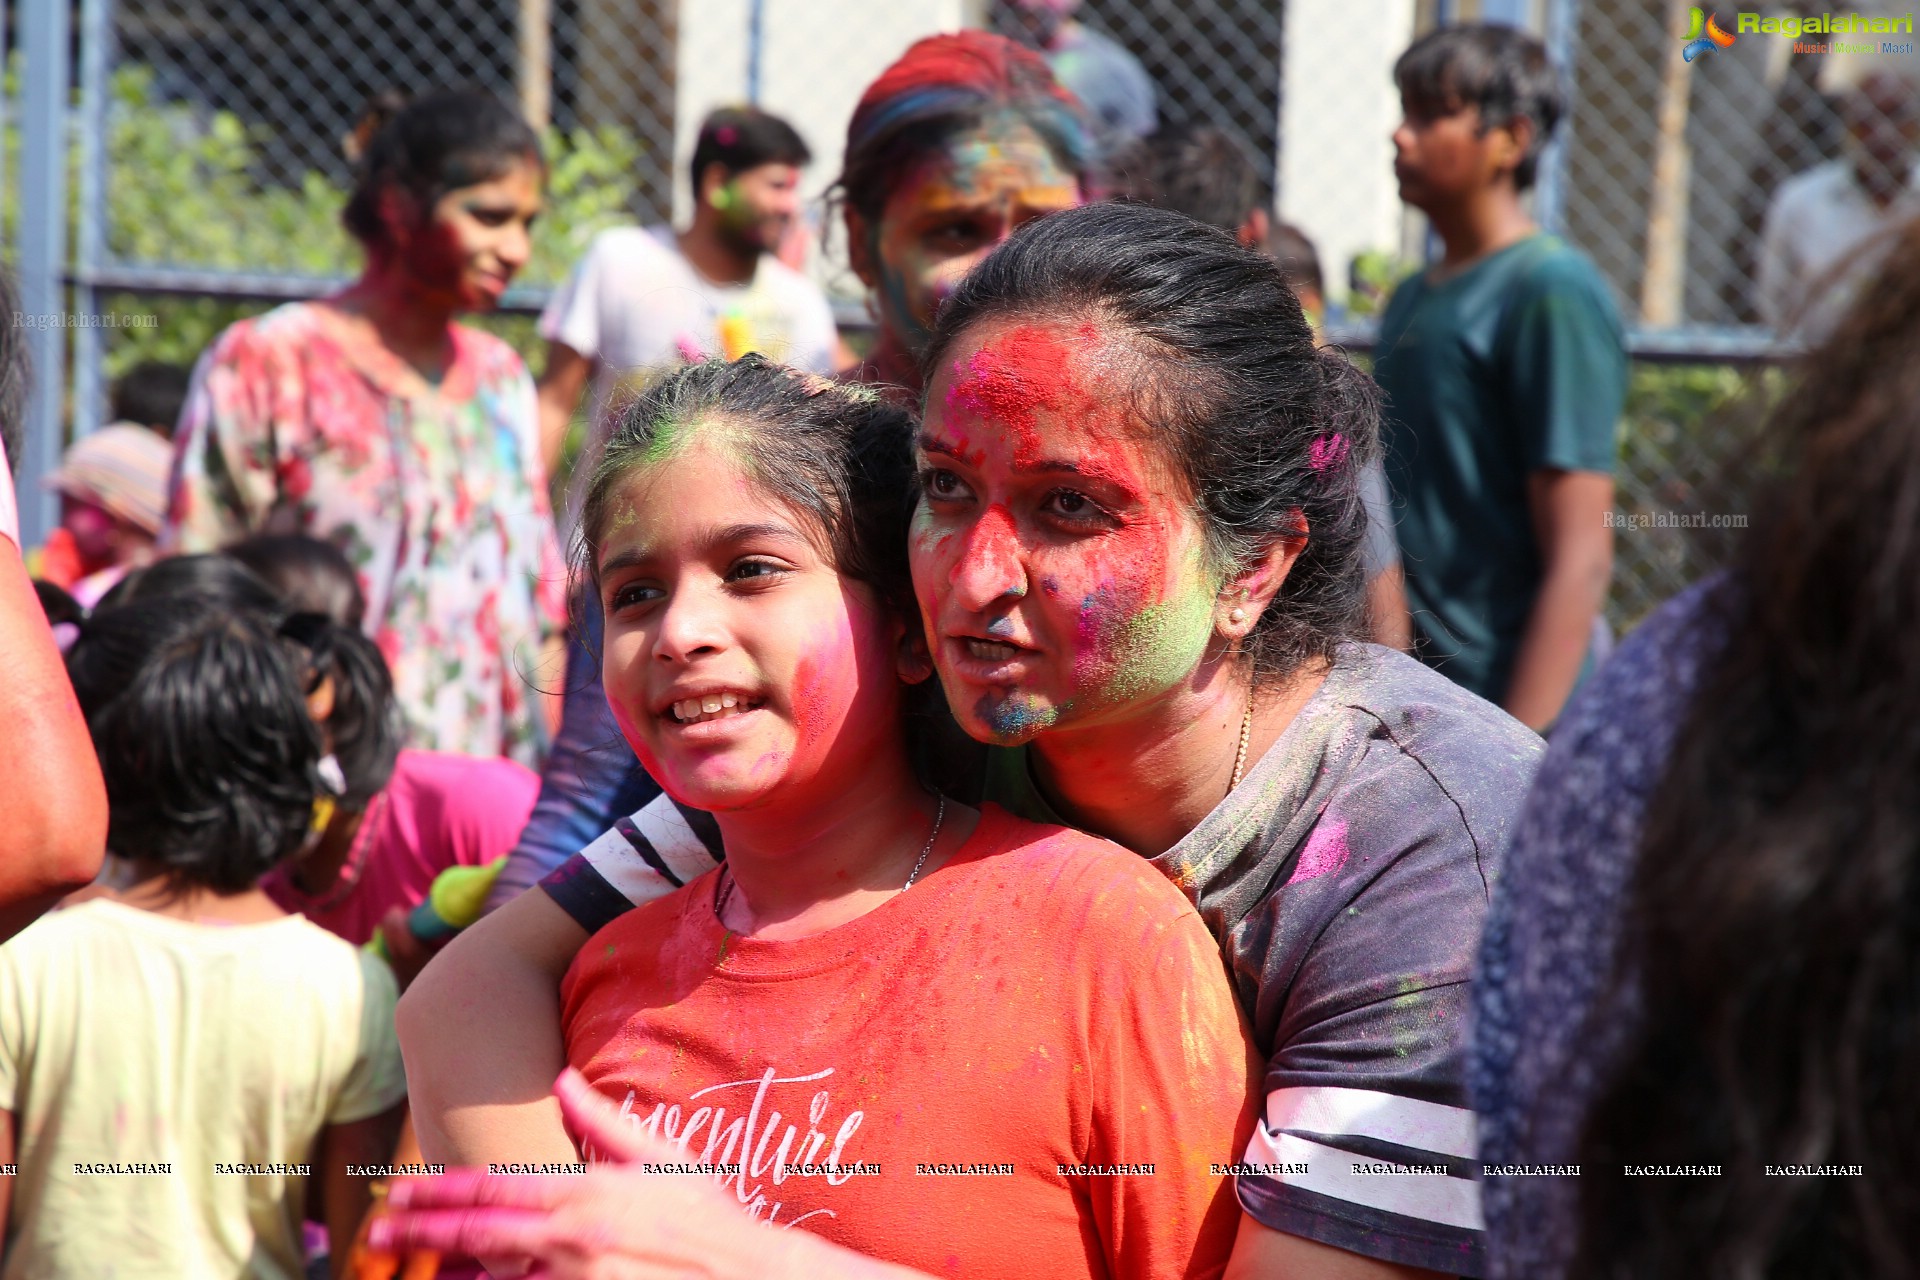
{"x":841,"y":454}
{"x":365,"y":725}
{"x":223,"y":581}
{"x":1269,"y":431}
{"x":944,"y":86}
{"x":1502,"y":71}
{"x":203,"y":738}
{"x":436,"y":144}
{"x":311,"y":575}
{"x":1770,"y":956}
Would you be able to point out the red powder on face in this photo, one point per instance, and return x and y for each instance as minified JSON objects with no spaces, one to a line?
{"x":1028,"y":368}
{"x":992,"y":548}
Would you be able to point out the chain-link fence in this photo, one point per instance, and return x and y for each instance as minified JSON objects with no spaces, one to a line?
{"x":203,"y":162}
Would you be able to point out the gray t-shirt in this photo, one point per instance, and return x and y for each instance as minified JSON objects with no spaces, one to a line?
{"x":1346,"y":879}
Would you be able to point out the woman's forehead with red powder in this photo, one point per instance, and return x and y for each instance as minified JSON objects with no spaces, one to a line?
{"x":1025,"y":380}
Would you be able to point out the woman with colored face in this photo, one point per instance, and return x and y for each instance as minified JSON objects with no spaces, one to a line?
{"x":372,"y":420}
{"x":1136,"y":553}
{"x":1135,"y":549}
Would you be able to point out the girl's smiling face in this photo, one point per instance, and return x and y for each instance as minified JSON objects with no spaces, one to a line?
{"x":739,"y":663}
{"x":1061,"y":573}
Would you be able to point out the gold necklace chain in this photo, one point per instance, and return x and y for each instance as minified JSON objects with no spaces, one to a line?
{"x":724,"y":893}
{"x":1246,"y":736}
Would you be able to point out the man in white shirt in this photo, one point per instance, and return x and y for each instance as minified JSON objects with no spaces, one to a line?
{"x":646,"y":299}
{"x":1828,"y":228}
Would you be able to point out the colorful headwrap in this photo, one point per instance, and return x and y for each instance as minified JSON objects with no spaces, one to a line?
{"x":958,"y":79}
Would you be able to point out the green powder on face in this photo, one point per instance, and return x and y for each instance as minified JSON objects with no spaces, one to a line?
{"x":1159,"y":646}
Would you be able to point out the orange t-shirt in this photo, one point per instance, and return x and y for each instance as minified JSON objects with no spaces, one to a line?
{"x":1027,"y":1065}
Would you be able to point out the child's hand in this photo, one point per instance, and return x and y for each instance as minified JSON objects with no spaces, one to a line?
{"x":406,"y":954}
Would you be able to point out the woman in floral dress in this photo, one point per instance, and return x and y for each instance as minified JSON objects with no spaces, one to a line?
{"x":372,"y":420}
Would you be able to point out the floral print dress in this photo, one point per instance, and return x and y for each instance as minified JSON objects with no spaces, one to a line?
{"x":298,"y":423}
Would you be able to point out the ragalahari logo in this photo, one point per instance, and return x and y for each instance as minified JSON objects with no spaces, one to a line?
{"x":1703,"y":34}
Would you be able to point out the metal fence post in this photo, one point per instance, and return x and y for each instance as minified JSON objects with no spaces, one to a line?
{"x":1550,"y":193}
{"x":89,"y":399}
{"x":4,"y":104}
{"x":43,"y":233}
{"x":756,"y":42}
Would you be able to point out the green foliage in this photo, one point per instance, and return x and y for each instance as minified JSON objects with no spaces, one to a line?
{"x":1670,"y":394}
{"x":1373,"y":275}
{"x":187,"y":189}
{"x":1692,"y":443}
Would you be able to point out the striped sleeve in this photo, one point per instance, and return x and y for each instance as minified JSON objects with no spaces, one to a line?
{"x":645,"y":856}
{"x":1375,"y":1173}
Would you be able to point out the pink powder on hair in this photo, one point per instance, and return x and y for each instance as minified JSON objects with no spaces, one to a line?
{"x":1328,"y":452}
{"x":1326,"y":851}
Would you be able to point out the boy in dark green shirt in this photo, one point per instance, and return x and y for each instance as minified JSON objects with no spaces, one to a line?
{"x":1504,"y":371}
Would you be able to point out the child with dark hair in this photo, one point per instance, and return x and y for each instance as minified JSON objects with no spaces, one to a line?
{"x":1505,"y":369}
{"x":151,"y":395}
{"x":869,"y":945}
{"x":644,"y":300}
{"x":177,"y":1056}
{"x":374,"y":421}
{"x":401,"y":816}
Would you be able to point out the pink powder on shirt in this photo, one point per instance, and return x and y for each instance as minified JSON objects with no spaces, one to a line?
{"x":1326,"y":851}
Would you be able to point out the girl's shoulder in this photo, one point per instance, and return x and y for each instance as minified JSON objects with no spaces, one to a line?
{"x":491,"y":360}
{"x":288,"y":330}
{"x":1065,"y":869}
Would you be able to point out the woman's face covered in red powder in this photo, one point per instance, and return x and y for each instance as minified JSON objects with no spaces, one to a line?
{"x":739,"y":663}
{"x":1060,"y":569}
